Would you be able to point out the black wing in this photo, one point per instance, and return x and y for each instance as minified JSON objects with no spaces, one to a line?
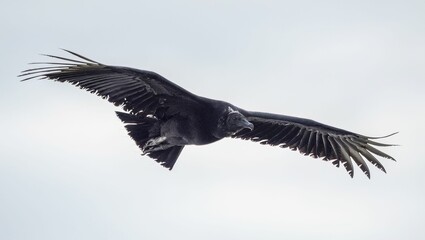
{"x":314,"y":139}
{"x":138,"y":91}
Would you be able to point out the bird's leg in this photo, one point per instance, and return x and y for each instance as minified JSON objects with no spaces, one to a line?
{"x":155,"y":144}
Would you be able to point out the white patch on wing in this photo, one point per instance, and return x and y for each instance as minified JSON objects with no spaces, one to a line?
{"x":231,"y":110}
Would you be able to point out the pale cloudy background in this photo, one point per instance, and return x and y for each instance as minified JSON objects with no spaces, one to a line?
{"x":68,"y":170}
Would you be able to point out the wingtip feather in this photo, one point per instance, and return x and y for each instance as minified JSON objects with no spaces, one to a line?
{"x":381,"y":137}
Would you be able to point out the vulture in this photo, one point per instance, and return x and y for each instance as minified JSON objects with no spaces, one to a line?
{"x":162,"y":117}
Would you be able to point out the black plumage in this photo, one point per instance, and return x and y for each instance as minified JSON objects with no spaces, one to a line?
{"x":162,"y":117}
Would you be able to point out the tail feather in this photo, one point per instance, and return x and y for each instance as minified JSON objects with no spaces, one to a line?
{"x":167,"y":157}
{"x":143,"y":128}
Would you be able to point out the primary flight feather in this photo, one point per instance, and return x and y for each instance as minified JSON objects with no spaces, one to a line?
{"x":162,"y":117}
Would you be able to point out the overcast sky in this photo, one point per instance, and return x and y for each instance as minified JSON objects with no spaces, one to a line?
{"x":68,"y":170}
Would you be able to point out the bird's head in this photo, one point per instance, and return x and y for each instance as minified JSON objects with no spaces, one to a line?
{"x":235,"y":122}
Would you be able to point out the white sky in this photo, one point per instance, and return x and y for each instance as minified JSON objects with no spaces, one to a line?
{"x":68,"y":170}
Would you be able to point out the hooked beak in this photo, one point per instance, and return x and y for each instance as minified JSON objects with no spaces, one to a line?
{"x":244,"y":123}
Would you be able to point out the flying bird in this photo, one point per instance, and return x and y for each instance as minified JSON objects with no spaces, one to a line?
{"x":162,"y":117}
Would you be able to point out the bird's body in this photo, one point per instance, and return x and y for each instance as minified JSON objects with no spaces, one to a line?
{"x":162,"y":117}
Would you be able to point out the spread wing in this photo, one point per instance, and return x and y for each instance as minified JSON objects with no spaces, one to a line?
{"x":314,"y":139}
{"x":138,"y":91}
